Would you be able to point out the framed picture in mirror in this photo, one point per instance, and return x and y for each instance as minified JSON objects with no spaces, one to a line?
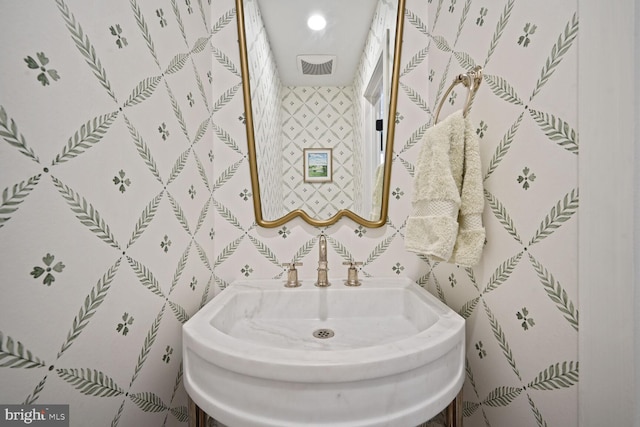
{"x":318,"y":165}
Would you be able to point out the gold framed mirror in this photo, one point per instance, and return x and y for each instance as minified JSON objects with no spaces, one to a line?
{"x":320,"y":148}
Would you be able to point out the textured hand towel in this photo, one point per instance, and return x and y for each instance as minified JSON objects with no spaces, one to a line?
{"x":446,"y":219}
{"x":471,"y":233}
{"x":432,"y":226}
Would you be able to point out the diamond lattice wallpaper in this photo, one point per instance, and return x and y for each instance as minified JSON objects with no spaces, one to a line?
{"x":126,"y":200}
{"x":266,"y":104}
{"x":105,"y":218}
{"x":318,"y":117}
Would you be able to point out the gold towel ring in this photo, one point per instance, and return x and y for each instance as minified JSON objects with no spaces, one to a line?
{"x":471,"y":80}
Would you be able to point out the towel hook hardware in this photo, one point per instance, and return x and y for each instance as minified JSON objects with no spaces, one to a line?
{"x":471,"y":80}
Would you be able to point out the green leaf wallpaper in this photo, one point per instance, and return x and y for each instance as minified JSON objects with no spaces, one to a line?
{"x":106,"y":149}
{"x":126,"y":200}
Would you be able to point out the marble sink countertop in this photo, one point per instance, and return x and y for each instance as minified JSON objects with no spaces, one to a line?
{"x":396,"y":357}
{"x":261,"y":328}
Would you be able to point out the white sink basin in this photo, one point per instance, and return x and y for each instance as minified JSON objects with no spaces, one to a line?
{"x":396,"y":357}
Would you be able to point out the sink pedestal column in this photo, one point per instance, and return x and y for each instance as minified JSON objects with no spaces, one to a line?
{"x":197,"y":417}
{"x":453,"y":412}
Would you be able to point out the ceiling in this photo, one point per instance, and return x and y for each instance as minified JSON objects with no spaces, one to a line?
{"x":348,"y":23}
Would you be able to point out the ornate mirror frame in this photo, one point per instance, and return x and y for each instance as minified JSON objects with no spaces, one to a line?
{"x":251,"y":145}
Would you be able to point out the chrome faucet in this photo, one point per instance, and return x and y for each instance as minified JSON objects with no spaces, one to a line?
{"x":323,"y":269}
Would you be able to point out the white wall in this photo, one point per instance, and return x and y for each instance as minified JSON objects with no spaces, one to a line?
{"x":608,"y":109}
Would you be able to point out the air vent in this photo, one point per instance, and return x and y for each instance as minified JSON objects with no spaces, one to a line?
{"x":316,"y":65}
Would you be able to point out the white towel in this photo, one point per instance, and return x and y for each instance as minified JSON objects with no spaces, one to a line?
{"x":471,"y":233}
{"x":432,"y":226}
{"x":447,"y":200}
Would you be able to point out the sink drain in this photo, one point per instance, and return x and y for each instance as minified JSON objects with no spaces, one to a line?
{"x":323,"y":333}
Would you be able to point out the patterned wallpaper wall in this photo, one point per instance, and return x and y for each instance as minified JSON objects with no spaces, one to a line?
{"x":318,"y":117}
{"x":266,"y":103}
{"x":112,"y":238}
{"x":106,"y":215}
{"x":520,"y":301}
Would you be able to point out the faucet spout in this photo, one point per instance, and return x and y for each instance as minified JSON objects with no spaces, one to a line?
{"x":323,"y":266}
{"x":322,"y":246}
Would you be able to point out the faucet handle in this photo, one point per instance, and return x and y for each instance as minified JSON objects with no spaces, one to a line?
{"x":292,"y":264}
{"x":292,"y":274}
{"x":353,"y":263}
{"x":352,"y":273}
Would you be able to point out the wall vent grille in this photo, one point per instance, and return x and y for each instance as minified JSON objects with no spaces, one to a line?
{"x":316,"y":65}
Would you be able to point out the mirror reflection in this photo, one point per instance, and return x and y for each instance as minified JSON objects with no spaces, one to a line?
{"x":320,"y":80}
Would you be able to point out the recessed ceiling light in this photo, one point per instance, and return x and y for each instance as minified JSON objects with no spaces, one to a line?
{"x":317,"y":22}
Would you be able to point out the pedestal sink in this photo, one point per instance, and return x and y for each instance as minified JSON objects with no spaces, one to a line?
{"x":386,"y":353}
